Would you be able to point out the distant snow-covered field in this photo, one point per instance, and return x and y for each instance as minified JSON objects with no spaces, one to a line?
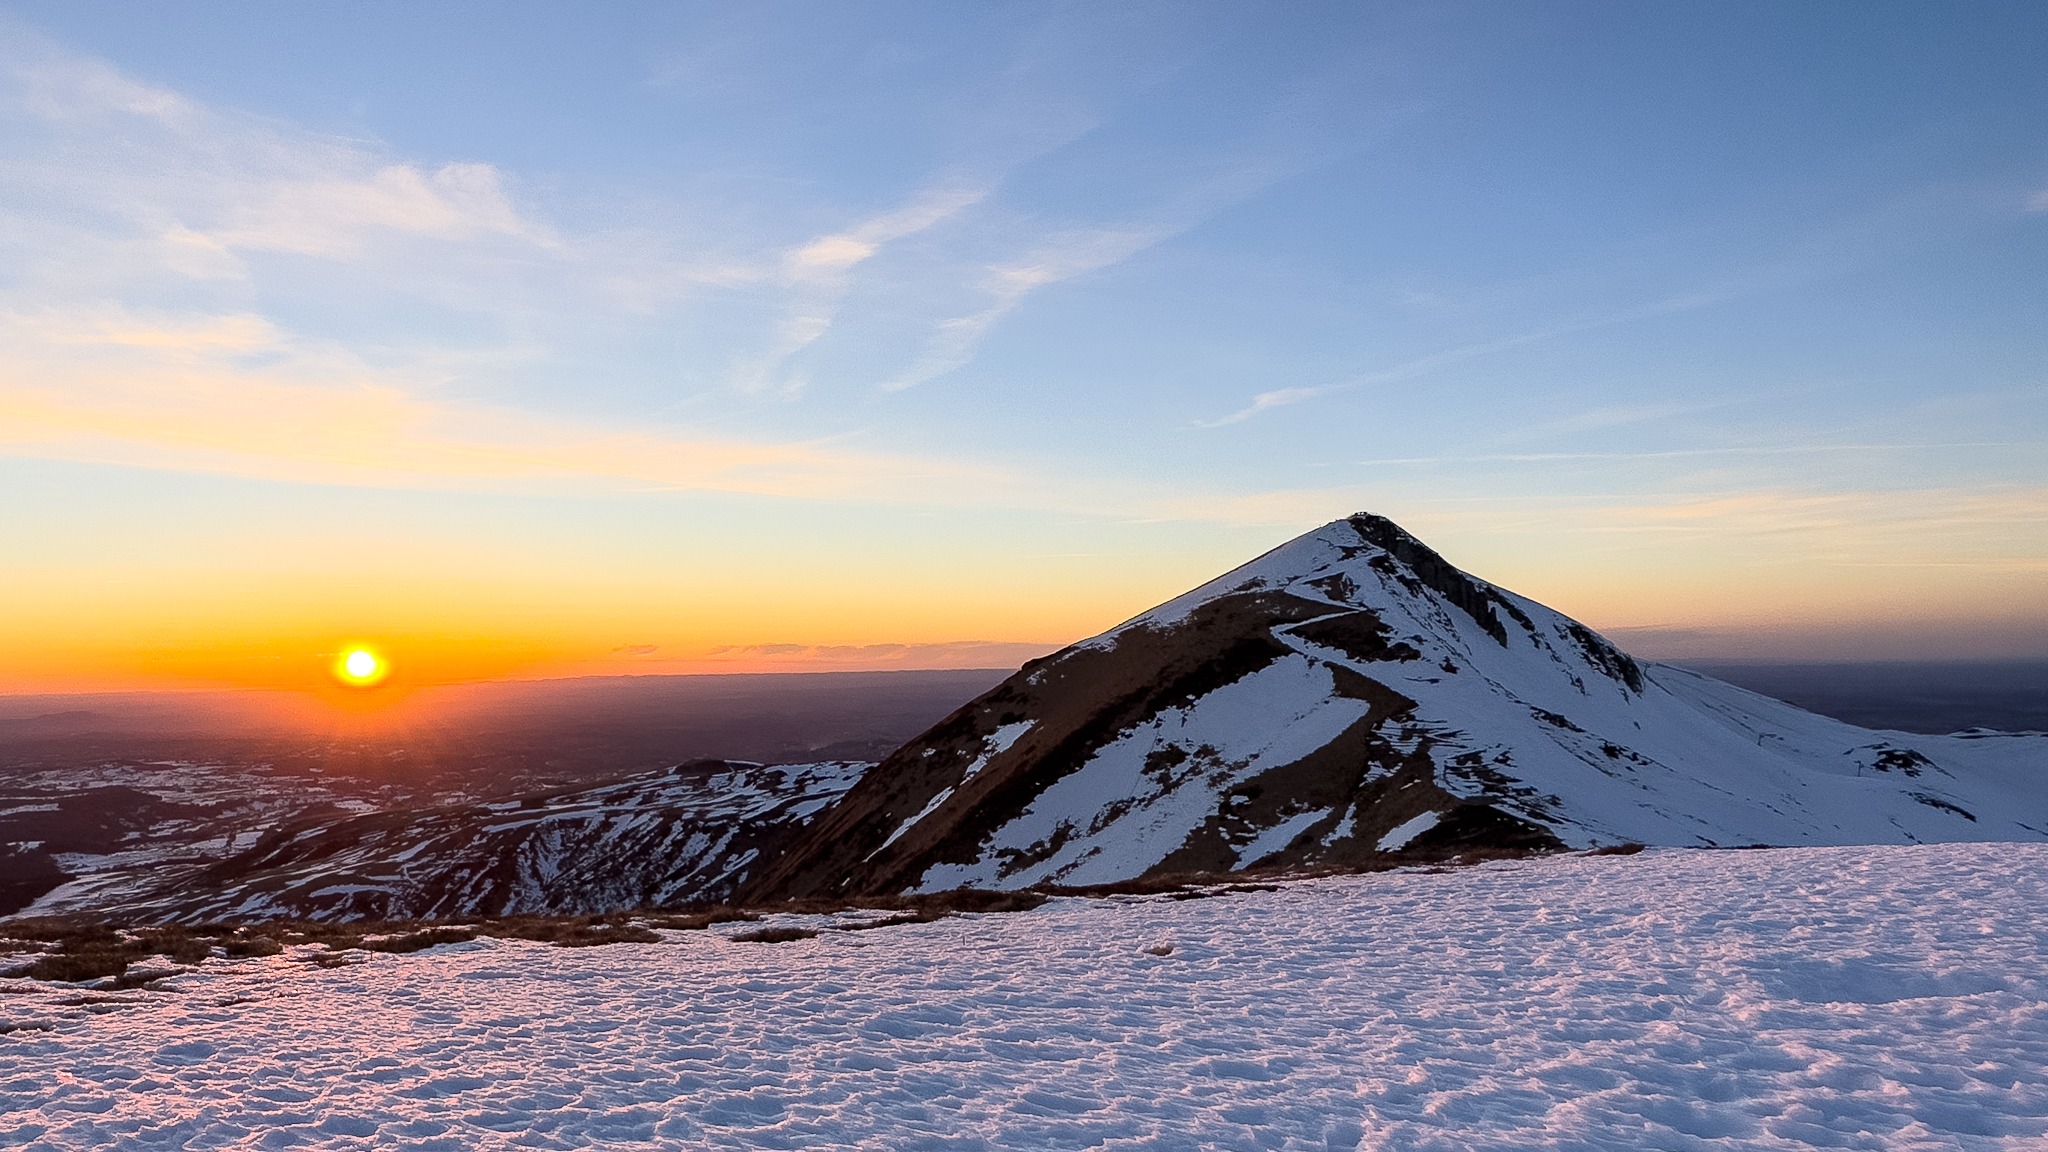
{"x":1792,"y":998}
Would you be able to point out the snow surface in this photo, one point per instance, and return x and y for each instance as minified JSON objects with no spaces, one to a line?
{"x":1888,"y":997}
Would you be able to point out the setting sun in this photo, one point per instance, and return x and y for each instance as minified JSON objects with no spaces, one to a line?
{"x":361,"y":667}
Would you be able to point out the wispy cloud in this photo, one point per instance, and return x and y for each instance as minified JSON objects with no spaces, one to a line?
{"x":147,"y":229}
{"x":1685,"y":453}
{"x":1880,"y":519}
{"x":1226,"y":178}
{"x":1061,"y":257}
{"x":1840,"y":246}
{"x":1424,"y":365}
{"x":1278,"y":398}
{"x":828,"y":258}
{"x":233,"y":394}
{"x":333,"y":216}
{"x":1724,"y":544}
{"x":1295,"y":134}
{"x":820,"y":274}
{"x":1613,"y":416}
{"x":193,"y":186}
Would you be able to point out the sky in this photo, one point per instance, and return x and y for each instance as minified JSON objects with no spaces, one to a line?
{"x":522,"y":339}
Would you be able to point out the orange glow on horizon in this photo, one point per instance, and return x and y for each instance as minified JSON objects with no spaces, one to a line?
{"x":266,"y":632}
{"x":285,"y":620}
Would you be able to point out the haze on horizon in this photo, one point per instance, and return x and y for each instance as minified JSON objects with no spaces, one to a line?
{"x":534,"y":340}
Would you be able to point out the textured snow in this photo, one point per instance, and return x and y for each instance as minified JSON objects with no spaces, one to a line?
{"x":1887,"y":997}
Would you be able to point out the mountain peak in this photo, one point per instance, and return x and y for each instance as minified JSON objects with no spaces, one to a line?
{"x":1352,"y":693}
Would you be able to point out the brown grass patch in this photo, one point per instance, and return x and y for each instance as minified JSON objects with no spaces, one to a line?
{"x":76,"y":952}
{"x":420,"y":941}
{"x":775,"y":935}
{"x":892,"y":921}
{"x":705,"y":918}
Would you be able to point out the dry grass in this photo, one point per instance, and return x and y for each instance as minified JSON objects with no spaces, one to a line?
{"x":420,"y":941}
{"x":701,"y":919}
{"x":74,"y":952}
{"x":893,"y":921}
{"x":572,"y":932}
{"x":775,"y":935}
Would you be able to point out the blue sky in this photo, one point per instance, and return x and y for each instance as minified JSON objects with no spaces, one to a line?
{"x":1718,"y":326}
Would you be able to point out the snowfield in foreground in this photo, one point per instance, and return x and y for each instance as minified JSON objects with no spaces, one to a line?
{"x":1821,"y":997}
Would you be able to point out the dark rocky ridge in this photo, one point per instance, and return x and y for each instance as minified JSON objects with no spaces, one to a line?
{"x":682,"y":836}
{"x":1085,"y":696}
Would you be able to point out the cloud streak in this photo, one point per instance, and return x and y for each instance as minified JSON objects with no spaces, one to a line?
{"x":232,"y":394}
{"x":1684,"y":453}
{"x":192,"y":187}
{"x":821,"y":273}
{"x":1062,"y":257}
{"x":1066,"y":254}
{"x":1265,"y":401}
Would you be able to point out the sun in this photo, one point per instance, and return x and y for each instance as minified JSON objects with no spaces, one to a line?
{"x":360,"y":667}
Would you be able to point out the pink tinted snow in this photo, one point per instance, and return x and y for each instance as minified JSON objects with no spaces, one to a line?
{"x":1797,"y":998}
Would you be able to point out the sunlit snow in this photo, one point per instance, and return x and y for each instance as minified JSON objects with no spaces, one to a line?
{"x":1888,"y":997}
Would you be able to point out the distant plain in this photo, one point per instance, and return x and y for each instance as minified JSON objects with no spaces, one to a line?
{"x":1931,"y":696}
{"x":511,"y":737}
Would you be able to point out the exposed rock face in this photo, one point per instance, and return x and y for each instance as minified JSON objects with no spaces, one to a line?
{"x":1351,"y":693}
{"x":688,"y":835}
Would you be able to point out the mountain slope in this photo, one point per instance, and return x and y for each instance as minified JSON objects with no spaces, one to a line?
{"x":1351,"y":693}
{"x":685,"y":835}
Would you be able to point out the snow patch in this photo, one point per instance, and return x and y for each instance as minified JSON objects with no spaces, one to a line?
{"x":1278,"y":837}
{"x":995,"y":745}
{"x":944,"y":795}
{"x":1399,"y":838}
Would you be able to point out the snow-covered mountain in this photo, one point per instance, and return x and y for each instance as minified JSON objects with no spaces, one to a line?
{"x":1351,"y":693}
{"x":685,"y":835}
